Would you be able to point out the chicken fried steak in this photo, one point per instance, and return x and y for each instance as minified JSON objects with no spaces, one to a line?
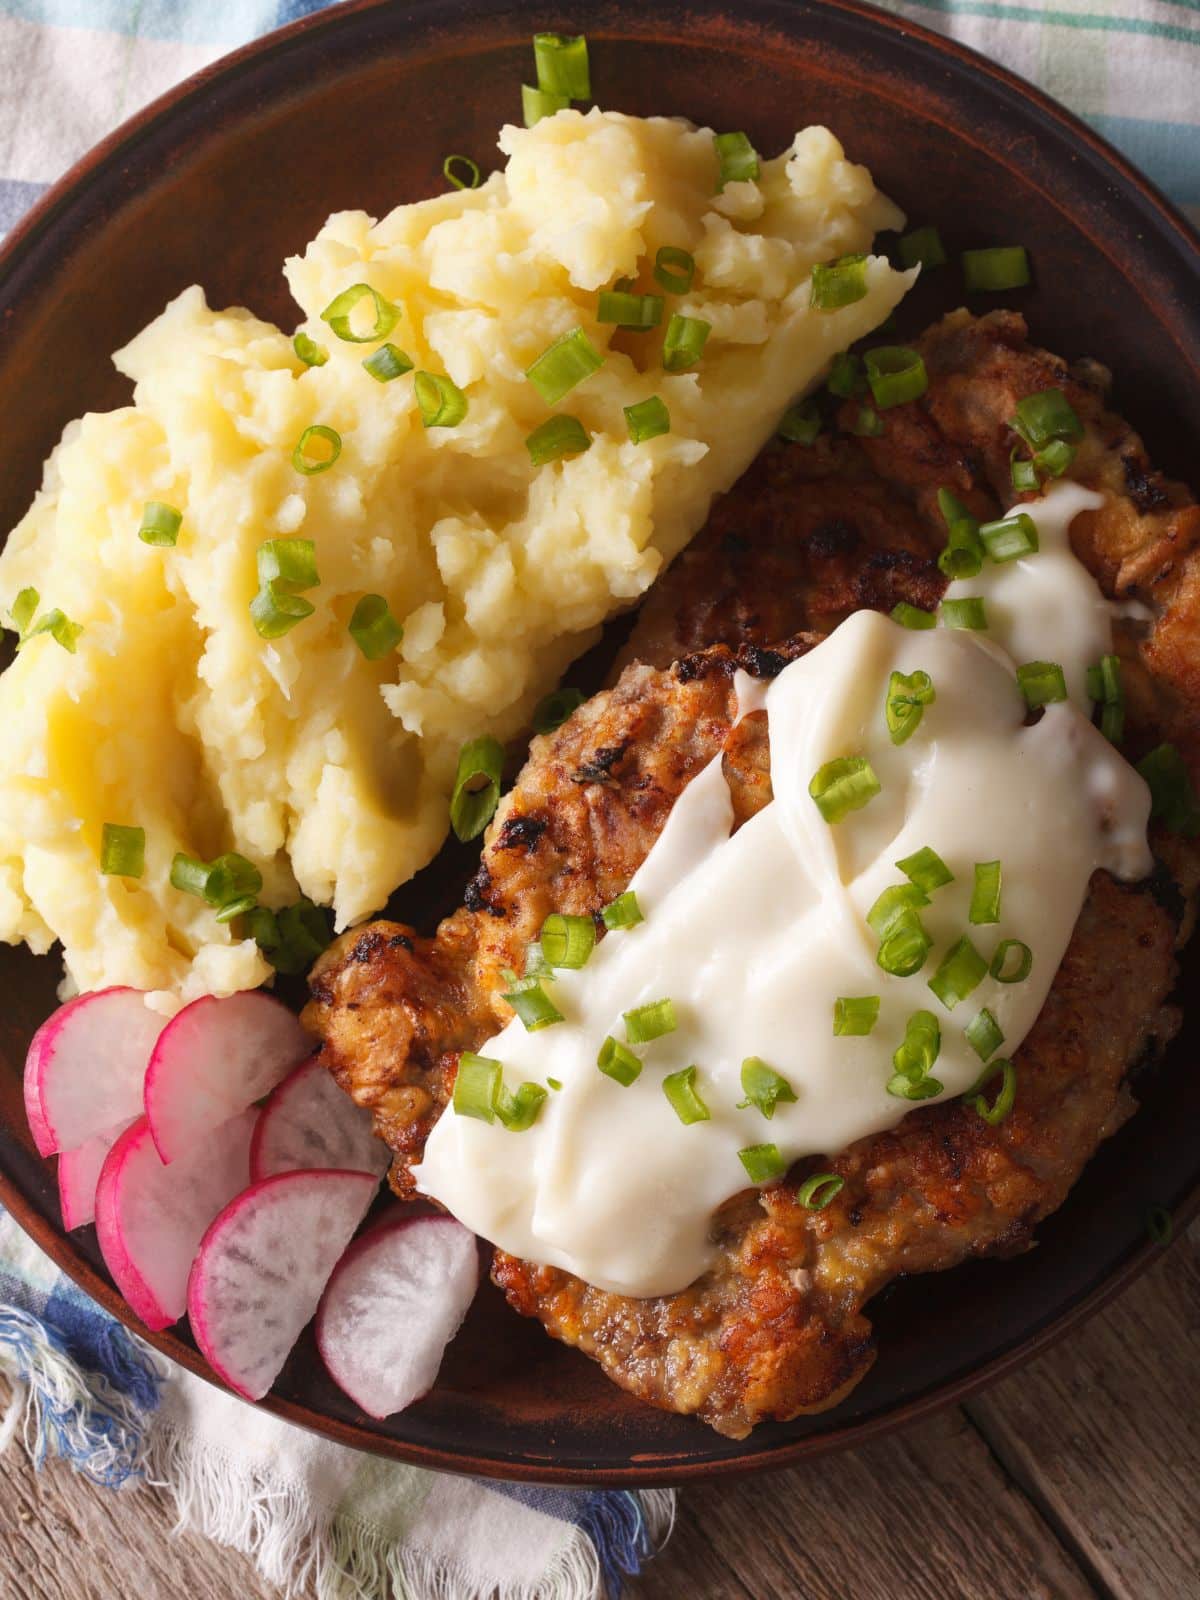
{"x":776,"y":1327}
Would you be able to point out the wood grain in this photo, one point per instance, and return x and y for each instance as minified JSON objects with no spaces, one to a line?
{"x":1074,"y":1479}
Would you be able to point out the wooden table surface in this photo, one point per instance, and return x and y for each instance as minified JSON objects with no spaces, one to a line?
{"x":1079,"y":1476}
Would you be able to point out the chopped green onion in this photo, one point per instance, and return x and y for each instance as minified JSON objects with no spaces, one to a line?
{"x":647,"y":419}
{"x":867,"y":424}
{"x":1104,"y":685}
{"x":843,"y":785}
{"x":292,"y":563}
{"x":1055,"y":458}
{"x":555,"y":438}
{"x":897,"y":900}
{"x":913,"y":1088}
{"x":674,"y":269}
{"x":309,"y":351}
{"x":985,"y":894}
{"x":680,"y":1090}
{"x":373,"y":627}
{"x":339,"y":311}
{"x":1023,"y":472}
{"x":815,"y":1193}
{"x":477,"y":1086}
{"x":1002,"y":970}
{"x":952,"y":508}
{"x":896,"y":375}
{"x":623,"y":912}
{"x":24,"y":609}
{"x":763,"y":1087}
{"x":961,"y":970}
{"x":629,"y":310}
{"x":231,"y":877}
{"x":995,"y":1113}
{"x":969,"y":613}
{"x":521,"y":1110}
{"x":915,"y":1058}
{"x":737,"y":159}
{"x":564,"y":365}
{"x":310,"y":460}
{"x":160,"y":524}
{"x":553,"y":709}
{"x":291,"y":939}
{"x":536,"y":965}
{"x":1003,"y":267}
{"x":1172,"y":797}
{"x":536,"y":104}
{"x":275,"y":610}
{"x":555,"y":1083}
{"x":763,"y":1162}
{"x":237,"y":908}
{"x":1160,"y":1225}
{"x":61,"y":629}
{"x":650,"y":1021}
{"x":801,"y":424}
{"x":912,"y":616}
{"x":904,"y":947}
{"x":442,"y":403}
{"x":921,"y":248}
{"x":562,"y":65}
{"x":532,"y":1004}
{"x":926,"y":869}
{"x":845,"y":375}
{"x":450,"y":171}
{"x":567,"y":941}
{"x":476,"y":792}
{"x":189,"y":875}
{"x":855,"y":1015}
{"x":984,"y":1034}
{"x":617,"y":1061}
{"x":840,"y":283}
{"x":387,"y":363}
{"x":963,"y":554}
{"x":1047,"y":416}
{"x":122,"y":851}
{"x":1008,"y":538}
{"x":684,"y":341}
{"x":907,"y":696}
{"x":1042,"y":683}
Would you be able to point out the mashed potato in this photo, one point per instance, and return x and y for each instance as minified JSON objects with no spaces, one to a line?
{"x":329,"y":771}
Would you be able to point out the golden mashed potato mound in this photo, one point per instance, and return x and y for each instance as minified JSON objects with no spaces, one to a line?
{"x":329,"y":771}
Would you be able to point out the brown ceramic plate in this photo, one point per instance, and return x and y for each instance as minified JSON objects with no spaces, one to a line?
{"x":357,"y":107}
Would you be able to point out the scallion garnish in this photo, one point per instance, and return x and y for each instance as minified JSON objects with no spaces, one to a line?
{"x":647,"y":419}
{"x":291,"y":939}
{"x":309,"y":351}
{"x":160,"y":524}
{"x":905,"y":1088}
{"x":907,"y":696}
{"x":839,"y":283}
{"x":230,"y":877}
{"x":276,"y":611}
{"x":763,"y":1087}
{"x":867,"y":423}
{"x":1172,"y":797}
{"x":963,"y":554}
{"x":921,"y":248}
{"x":684,"y":342}
{"x":843,"y":785}
{"x":801,"y":424}
{"x":904,"y":947}
{"x":1042,"y":683}
{"x":442,"y":403}
{"x":387,"y":363}
{"x":316,"y":449}
{"x":122,"y":851}
{"x":763,"y":1162}
{"x":555,"y":438}
{"x":1008,"y":538}
{"x":845,"y":375}
{"x":969,"y":613}
{"x":912,"y":616}
{"x":536,"y":965}
{"x":1003,"y":1103}
{"x":521,"y":1110}
{"x":1046,"y":416}
{"x":898,"y":900}
{"x":471,"y":174}
{"x":567,"y":941}
{"x":1104,"y":685}
{"x":237,"y":908}
{"x":563,"y":365}
{"x":674,"y":269}
{"x":1002,"y":968}
{"x":339,"y":313}
{"x":555,"y":1083}
{"x":477,"y":1086}
{"x":680,"y":1090}
{"x":24,"y":609}
{"x":291,"y":562}
{"x":532,"y":1004}
{"x":984,"y":1034}
{"x":1054,"y":459}
{"x":961,"y":970}
{"x":553,"y":709}
{"x":926,"y":869}
{"x":855,"y":1015}
{"x":1002,"y":267}
{"x":737,"y":159}
{"x":373,"y":627}
{"x":629,"y":310}
{"x":914,"y":1059}
{"x":476,"y":792}
{"x":896,"y":375}
{"x":650,"y":1021}
{"x":985,"y":893}
{"x":1023,"y":472}
{"x":562,"y":65}
{"x":536,"y":104}
{"x":617,"y":1061}
{"x":61,"y":629}
{"x":623,"y":912}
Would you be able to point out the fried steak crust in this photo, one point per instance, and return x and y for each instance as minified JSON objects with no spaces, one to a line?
{"x":776,"y":1327}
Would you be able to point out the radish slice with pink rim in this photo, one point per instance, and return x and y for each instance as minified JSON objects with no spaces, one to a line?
{"x":150,"y":1218}
{"x":258,"y":1277}
{"x":394,"y":1302}
{"x":310,"y":1123}
{"x":215,"y":1058}
{"x":78,"y":1175}
{"x":86,"y":1067}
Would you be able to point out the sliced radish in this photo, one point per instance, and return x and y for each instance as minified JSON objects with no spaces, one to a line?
{"x":394,"y":1302}
{"x":213,"y":1060}
{"x":78,"y":1175}
{"x":261,"y":1269}
{"x":86,"y":1066}
{"x":310,"y":1123}
{"x":150,"y":1218}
